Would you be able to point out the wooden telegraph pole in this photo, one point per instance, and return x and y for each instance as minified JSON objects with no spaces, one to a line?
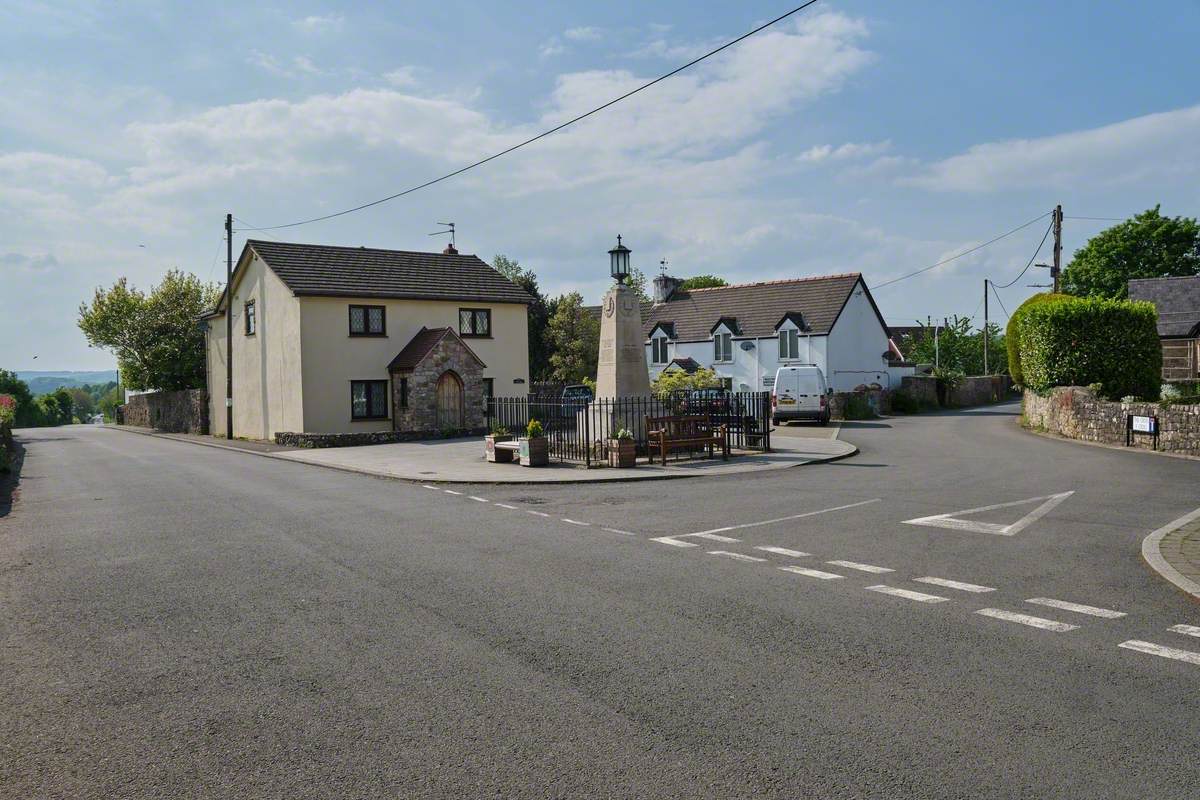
{"x":229,"y":326}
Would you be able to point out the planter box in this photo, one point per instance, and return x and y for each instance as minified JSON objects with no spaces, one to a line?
{"x":501,"y":456}
{"x":622,"y":453}
{"x":534,"y":452}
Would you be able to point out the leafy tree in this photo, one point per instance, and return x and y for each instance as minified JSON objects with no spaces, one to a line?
{"x":959,"y":348}
{"x":637,"y":282}
{"x":109,"y":401}
{"x":676,"y":379}
{"x":53,"y":408}
{"x":574,"y":335}
{"x":1148,"y":245}
{"x":703,"y":282}
{"x":25,"y":414}
{"x":82,"y":403}
{"x":1012,"y":332}
{"x":540,"y":311}
{"x":156,"y":338}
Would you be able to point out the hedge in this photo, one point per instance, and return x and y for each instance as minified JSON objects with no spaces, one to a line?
{"x":1078,"y":342}
{"x":1012,"y":338}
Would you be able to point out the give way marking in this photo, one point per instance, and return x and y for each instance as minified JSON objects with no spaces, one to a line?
{"x":952,"y":521}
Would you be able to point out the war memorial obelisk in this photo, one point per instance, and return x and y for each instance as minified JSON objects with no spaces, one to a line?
{"x":621,"y":368}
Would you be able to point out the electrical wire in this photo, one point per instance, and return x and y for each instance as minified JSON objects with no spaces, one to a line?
{"x":1031,"y":260}
{"x":546,"y":133}
{"x":250,"y":227}
{"x":1101,"y":219}
{"x":998,"y":300}
{"x":963,"y":253}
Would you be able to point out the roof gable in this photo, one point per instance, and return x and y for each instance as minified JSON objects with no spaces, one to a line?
{"x":668,"y":329}
{"x":794,"y":317}
{"x":730,"y":323}
{"x":422,"y":344}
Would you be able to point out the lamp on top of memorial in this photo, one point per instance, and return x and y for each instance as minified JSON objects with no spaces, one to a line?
{"x":619,"y":261}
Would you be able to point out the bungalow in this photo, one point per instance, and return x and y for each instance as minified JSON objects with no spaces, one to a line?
{"x":745,"y":332}
{"x":352,"y":339}
{"x":1177,"y":301}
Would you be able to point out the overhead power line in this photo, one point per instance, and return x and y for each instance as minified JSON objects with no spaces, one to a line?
{"x":963,"y":253}
{"x":1032,"y":258}
{"x":1001,"y":302}
{"x":545,"y":133}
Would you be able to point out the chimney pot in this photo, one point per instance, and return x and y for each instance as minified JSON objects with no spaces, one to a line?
{"x":450,"y":250}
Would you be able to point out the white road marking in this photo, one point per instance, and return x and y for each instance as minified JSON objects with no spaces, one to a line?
{"x":962,"y":587}
{"x":506,"y":505}
{"x":536,"y":513}
{"x":616,"y":530}
{"x":782,"y":551}
{"x":1025,"y":619}
{"x":451,"y":491}
{"x":1078,"y":608}
{"x":953,"y":523}
{"x":1159,"y":650}
{"x":785,"y":519}
{"x":813,"y":573}
{"x":738,"y":556}
{"x":427,"y":486}
{"x":1186,"y":630}
{"x":860,"y":567}
{"x":907,"y":594}
{"x":479,"y":499}
{"x":576,"y":522}
{"x":674,"y":541}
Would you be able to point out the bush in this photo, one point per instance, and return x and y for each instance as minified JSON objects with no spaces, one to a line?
{"x":857,"y":407}
{"x":1012,"y":339}
{"x":534,"y":429}
{"x":1076,"y":342}
{"x":8,"y":409}
{"x":904,"y":403}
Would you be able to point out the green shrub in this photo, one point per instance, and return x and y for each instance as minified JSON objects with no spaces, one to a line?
{"x":857,"y":407}
{"x":534,"y":429}
{"x":904,"y":403}
{"x":1077,"y":341}
{"x":1012,"y":339}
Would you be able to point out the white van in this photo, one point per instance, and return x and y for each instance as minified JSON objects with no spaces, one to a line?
{"x":800,"y":393}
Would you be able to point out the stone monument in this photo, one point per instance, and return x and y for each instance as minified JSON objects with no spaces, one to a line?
{"x":621,"y":368}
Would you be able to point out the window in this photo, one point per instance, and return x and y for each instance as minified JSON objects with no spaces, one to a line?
{"x":489,"y":391}
{"x":475,"y":321}
{"x":368,"y":400}
{"x":659,"y":347}
{"x":404,"y":392}
{"x":368,"y":321}
{"x":251,"y":320}
{"x":723,"y":347}
{"x":789,"y":344}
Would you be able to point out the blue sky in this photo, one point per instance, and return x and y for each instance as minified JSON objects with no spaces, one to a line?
{"x":861,"y":136}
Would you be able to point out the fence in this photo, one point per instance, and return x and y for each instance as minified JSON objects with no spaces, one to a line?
{"x":581,"y":430}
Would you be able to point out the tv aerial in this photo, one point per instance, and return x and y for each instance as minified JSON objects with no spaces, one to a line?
{"x":449,"y":230}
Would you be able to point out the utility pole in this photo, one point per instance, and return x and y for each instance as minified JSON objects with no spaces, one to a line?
{"x":985,"y":327}
{"x":229,"y":327}
{"x":1058,"y":220}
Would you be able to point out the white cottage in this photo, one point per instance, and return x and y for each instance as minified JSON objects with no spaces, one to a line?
{"x":746,"y":332}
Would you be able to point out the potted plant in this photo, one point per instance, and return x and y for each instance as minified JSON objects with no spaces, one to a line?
{"x":503,"y":455}
{"x":622,"y":450}
{"x":534,"y":446}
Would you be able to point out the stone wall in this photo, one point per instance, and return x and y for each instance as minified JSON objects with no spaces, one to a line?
{"x":1077,"y":413}
{"x":418,"y":411}
{"x":315,"y":440}
{"x":923,"y":389}
{"x":980,"y":391}
{"x":184,"y":411}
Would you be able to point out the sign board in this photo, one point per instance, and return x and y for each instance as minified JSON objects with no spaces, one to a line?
{"x":1145,"y":425}
{"x":768,"y":381}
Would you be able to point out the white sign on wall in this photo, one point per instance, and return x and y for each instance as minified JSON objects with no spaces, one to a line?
{"x":1143,"y":424}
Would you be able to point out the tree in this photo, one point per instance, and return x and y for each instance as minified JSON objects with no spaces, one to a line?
{"x":540,"y":311}
{"x":156,"y":337}
{"x":574,"y":334}
{"x":958,"y":347}
{"x":82,"y":404}
{"x":26,"y":410}
{"x":1148,"y":245}
{"x":703,"y":282}
{"x":109,"y":402}
{"x":637,"y":282}
{"x":671,"y":380}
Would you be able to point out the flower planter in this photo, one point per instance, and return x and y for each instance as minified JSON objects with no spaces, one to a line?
{"x":497,"y":456}
{"x":534,"y":452}
{"x":622,"y":453}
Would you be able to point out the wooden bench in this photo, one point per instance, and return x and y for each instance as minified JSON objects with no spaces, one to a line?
{"x":686,"y":432}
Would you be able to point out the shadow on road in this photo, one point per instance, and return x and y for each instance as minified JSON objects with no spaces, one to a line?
{"x":9,"y":480}
{"x":852,"y":424}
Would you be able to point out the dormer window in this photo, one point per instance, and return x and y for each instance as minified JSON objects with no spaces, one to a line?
{"x":722,"y":346}
{"x":658,"y":348}
{"x":789,"y":344}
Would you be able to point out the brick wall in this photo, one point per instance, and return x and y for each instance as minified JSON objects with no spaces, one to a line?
{"x":184,"y":411}
{"x":1077,"y":413}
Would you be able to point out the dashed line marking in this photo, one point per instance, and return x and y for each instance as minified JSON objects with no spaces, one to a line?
{"x":737,"y":556}
{"x":1159,"y":650}
{"x":536,"y":513}
{"x":451,"y":491}
{"x":1025,"y":619}
{"x":506,"y":505}
{"x":674,"y":541}
{"x":1186,"y":630}
{"x":813,"y":573}
{"x":617,"y":530}
{"x":576,"y":522}
{"x":860,"y":567}
{"x":949,"y":584}
{"x":479,"y":499}
{"x":786,"y":519}
{"x":782,"y":551}
{"x":908,"y":594}
{"x":1078,"y":608}
{"x":427,"y":486}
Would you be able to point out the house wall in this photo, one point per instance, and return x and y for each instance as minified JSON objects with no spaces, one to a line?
{"x":856,"y":347}
{"x":751,"y":370}
{"x":333,"y":358}
{"x":266,"y":387}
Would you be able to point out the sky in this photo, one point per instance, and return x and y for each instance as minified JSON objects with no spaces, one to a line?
{"x":873,"y":137}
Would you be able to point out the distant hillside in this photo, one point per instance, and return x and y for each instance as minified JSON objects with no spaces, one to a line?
{"x":43,"y":382}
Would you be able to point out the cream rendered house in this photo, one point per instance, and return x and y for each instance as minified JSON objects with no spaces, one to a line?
{"x":351,"y":339}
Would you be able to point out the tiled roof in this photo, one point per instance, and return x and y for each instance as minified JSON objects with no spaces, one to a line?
{"x":325,"y":270}
{"x":420,"y":346}
{"x":688,"y":365}
{"x":1177,"y":301}
{"x":757,"y":306}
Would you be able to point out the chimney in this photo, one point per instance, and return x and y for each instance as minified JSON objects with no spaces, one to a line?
{"x":664,"y":287}
{"x":450,"y":250}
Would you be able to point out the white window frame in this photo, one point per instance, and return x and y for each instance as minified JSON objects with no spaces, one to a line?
{"x":787,"y":338}
{"x":722,"y":346}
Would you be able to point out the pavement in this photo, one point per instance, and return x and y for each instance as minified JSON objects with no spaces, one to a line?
{"x":961,"y":610}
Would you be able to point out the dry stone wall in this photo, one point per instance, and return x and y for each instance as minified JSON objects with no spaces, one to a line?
{"x":1077,"y":413}
{"x":184,"y":411}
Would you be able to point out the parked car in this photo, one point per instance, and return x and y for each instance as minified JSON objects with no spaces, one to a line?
{"x":800,"y":393}
{"x":711,"y":401}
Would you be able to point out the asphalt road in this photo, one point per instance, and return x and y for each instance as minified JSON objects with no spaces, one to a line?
{"x":182,"y":621}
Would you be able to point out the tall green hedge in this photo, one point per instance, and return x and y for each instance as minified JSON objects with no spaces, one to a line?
{"x":1077,"y":342}
{"x":1012,"y":338}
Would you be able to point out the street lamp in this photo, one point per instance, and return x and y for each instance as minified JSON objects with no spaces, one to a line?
{"x":618,"y":259}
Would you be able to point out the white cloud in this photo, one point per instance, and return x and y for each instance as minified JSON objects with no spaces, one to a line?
{"x":1158,"y":146}
{"x":843,"y":152}
{"x":28,"y":262}
{"x":403,"y":77}
{"x":299,"y":65}
{"x":551,"y":47}
{"x":319,"y":23}
{"x":586,"y":33}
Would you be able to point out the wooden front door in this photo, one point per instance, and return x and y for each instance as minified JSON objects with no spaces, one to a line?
{"x":449,"y":401}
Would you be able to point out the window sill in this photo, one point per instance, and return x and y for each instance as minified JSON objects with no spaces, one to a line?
{"x":370,"y":419}
{"x":476,"y":335}
{"x":368,"y":335}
